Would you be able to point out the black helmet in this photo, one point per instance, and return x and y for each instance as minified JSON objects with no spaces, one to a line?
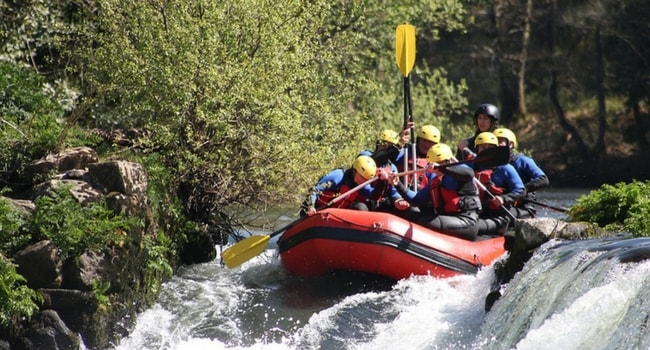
{"x":488,"y":109}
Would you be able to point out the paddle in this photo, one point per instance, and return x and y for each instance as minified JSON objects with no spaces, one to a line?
{"x":405,"y":57}
{"x":560,"y":209}
{"x":252,"y":246}
{"x":480,"y":184}
{"x":488,"y":158}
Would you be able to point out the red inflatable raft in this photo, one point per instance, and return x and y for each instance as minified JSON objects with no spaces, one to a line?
{"x":382,"y":244}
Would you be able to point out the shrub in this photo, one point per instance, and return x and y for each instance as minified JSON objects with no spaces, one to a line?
{"x":11,"y":223}
{"x":74,"y":228}
{"x":622,"y":206}
{"x":33,"y":121}
{"x":16,"y":299}
{"x":29,"y":118}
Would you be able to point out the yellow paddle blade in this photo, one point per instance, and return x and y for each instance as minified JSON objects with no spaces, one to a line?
{"x":245,"y":250}
{"x":405,"y":48}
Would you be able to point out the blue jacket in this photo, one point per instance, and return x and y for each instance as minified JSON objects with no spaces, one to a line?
{"x":334,"y":180}
{"x":531,"y":175}
{"x":506,"y":177}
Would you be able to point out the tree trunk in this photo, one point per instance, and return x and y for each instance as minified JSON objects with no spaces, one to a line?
{"x":640,"y":126}
{"x":564,"y":123}
{"x":600,"y":94}
{"x":524,"y":58}
{"x":506,"y":94}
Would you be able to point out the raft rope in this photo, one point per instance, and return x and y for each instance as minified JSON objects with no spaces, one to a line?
{"x":468,"y":268}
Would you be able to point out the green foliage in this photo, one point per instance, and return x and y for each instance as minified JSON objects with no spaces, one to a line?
{"x":31,"y":120}
{"x":16,"y":299}
{"x":246,"y":94}
{"x":100,"y":290}
{"x":12,"y":221}
{"x":74,"y":228}
{"x":28,"y":118}
{"x":158,"y":267}
{"x":440,"y":100}
{"x":619,"y":207}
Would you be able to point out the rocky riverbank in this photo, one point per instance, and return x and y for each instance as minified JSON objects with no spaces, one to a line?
{"x":92,"y":297}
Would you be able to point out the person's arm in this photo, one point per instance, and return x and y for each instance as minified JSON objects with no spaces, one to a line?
{"x":513,"y":183}
{"x":465,"y":144}
{"x":537,"y":179}
{"x":415,"y":199}
{"x":331,"y":181}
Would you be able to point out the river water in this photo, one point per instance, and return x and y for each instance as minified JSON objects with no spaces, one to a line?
{"x":590,"y":294}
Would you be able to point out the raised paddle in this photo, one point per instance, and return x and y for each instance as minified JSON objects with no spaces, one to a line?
{"x":488,"y":158}
{"x":405,"y":48}
{"x":252,"y":246}
{"x":541,"y":204}
{"x":405,"y":57}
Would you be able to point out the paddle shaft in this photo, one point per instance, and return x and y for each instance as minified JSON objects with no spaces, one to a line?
{"x":439,"y":166}
{"x":339,"y":198}
{"x":490,"y":157}
{"x":252,"y":246}
{"x":541,"y":204}
{"x":480,"y":184}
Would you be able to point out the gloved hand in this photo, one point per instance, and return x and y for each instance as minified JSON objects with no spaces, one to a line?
{"x":405,"y":134}
{"x":462,"y":144}
{"x":383,"y":173}
{"x":468,"y":153}
{"x":484,"y":177}
{"x":401,"y":204}
{"x":392,"y":179}
{"x":433,"y":168}
{"x":496,"y":202}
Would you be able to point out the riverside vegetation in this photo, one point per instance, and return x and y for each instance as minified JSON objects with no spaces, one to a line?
{"x":223,"y":102}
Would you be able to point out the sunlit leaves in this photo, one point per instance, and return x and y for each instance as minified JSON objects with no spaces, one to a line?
{"x":623,"y":206}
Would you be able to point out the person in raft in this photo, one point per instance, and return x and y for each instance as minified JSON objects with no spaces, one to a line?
{"x":486,"y":118}
{"x":531,"y":174}
{"x":427,"y":136}
{"x":339,"y":181}
{"x":384,"y":197}
{"x":504,"y":186}
{"x":450,"y":203}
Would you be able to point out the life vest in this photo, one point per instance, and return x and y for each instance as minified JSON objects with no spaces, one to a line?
{"x":485,"y":177}
{"x":420,"y":163}
{"x":326,"y":196}
{"x":445,"y":200}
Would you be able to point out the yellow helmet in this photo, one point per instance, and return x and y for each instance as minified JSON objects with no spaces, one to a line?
{"x":389,"y":136}
{"x":365,"y":166}
{"x":430,"y":132}
{"x":439,"y":153}
{"x":507,"y":134}
{"x":486,"y":138}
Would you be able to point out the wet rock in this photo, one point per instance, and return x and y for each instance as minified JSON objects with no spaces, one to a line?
{"x":528,"y":235}
{"x":47,"y":331}
{"x":40,"y":265}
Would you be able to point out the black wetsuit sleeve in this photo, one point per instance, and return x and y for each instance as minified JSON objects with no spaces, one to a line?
{"x":535,"y":185}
